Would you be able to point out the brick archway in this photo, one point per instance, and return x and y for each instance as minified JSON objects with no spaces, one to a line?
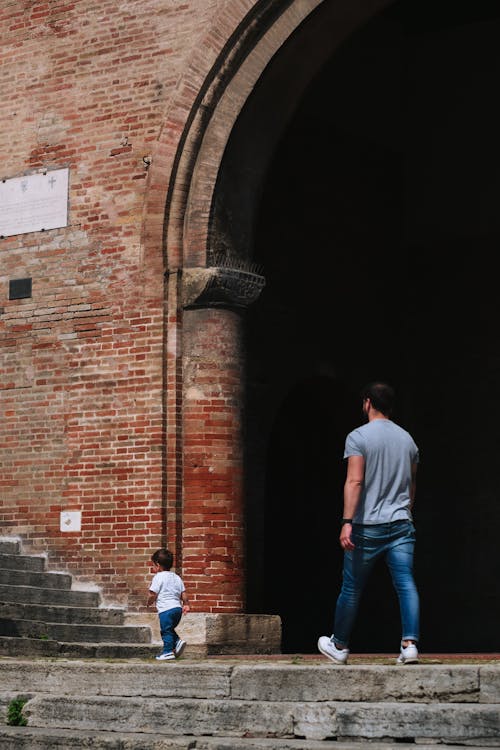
{"x":204,"y":364}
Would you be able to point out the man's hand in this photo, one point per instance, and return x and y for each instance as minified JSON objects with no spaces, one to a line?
{"x":345,"y":537}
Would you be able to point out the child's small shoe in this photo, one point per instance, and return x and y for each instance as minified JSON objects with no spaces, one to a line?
{"x":179,"y":647}
{"x":167,"y":656}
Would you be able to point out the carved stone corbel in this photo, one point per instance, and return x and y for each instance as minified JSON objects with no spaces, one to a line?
{"x":220,"y":286}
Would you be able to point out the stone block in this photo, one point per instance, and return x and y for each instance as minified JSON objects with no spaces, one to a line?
{"x":360,"y":683}
{"x":489,"y":680}
{"x":36,"y":738}
{"x":145,"y":680}
{"x":315,"y":721}
{"x":232,"y":633}
{"x":10,"y":545}
{"x":64,"y":597}
{"x":450,"y":722}
{"x":282,"y":743}
{"x":51,"y":580}
{"x":187,"y":717}
{"x":233,"y":718}
{"x":22,"y":562}
{"x":149,"y":619}
{"x":5,"y":699}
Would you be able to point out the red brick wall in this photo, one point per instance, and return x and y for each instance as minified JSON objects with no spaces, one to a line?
{"x":93,"y":413}
{"x":88,"y":85}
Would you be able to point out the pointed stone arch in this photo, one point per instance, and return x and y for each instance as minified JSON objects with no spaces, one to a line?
{"x":204,"y":359}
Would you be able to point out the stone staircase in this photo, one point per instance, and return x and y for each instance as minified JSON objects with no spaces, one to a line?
{"x":220,"y":705}
{"x":41,"y":614}
{"x":81,"y":678}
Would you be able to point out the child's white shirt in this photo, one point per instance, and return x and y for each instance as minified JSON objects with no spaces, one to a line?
{"x":168,"y":587}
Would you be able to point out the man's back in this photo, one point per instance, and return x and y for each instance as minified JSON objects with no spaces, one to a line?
{"x":389,"y":453}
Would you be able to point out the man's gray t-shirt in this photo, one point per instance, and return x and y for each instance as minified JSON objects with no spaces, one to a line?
{"x":389,"y":452}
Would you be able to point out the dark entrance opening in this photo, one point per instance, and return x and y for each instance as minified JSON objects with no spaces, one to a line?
{"x":377,"y":229}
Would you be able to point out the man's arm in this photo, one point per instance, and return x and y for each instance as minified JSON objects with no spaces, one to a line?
{"x":352,"y":492}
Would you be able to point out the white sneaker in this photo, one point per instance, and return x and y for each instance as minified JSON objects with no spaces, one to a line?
{"x":329,"y":649}
{"x":179,"y":647}
{"x":408,"y":655}
{"x":168,"y":656}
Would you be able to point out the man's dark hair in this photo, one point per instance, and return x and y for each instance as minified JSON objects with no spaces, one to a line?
{"x":163,"y":557}
{"x":381,"y":396}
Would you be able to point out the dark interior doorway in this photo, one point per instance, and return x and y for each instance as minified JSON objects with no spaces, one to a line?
{"x":377,"y":229}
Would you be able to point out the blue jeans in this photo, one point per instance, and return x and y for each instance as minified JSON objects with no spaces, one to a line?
{"x":168,"y":621}
{"x":394,"y":541}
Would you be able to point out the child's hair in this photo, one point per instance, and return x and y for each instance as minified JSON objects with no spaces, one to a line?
{"x":163,"y":557}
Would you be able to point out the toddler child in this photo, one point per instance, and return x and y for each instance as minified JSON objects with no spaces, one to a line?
{"x":167,"y":591}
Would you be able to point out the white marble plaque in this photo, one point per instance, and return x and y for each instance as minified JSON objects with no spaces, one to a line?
{"x":71,"y":520}
{"x":34,"y":203}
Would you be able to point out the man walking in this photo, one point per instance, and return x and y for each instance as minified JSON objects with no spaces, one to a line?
{"x":379,"y":492}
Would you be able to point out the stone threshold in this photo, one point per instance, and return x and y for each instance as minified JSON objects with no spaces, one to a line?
{"x":368,"y":658}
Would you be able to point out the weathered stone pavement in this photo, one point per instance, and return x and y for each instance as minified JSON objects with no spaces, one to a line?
{"x":228,"y":704}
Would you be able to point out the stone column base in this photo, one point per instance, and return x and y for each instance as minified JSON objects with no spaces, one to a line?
{"x":210,"y":634}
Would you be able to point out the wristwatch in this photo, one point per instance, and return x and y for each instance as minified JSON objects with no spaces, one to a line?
{"x":345,"y":520}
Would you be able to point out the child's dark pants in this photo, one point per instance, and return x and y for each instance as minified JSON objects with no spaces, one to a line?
{"x":168,"y":621}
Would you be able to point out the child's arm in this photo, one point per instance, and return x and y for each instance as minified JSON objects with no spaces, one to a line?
{"x":185,"y":603}
{"x":152,"y":597}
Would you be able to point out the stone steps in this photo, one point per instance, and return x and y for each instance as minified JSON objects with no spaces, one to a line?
{"x":41,"y":614}
{"x":53,"y":596}
{"x":74,"y":632}
{"x":35,"y":648}
{"x":28,"y":738}
{"x":111,"y":693}
{"x":278,"y":703}
{"x":35,"y":563}
{"x":326,"y":720}
{"x":62,"y":614}
{"x":11,"y":577}
{"x":10,"y":545}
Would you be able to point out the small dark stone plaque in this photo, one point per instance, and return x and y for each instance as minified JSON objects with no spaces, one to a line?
{"x":19,"y":288}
